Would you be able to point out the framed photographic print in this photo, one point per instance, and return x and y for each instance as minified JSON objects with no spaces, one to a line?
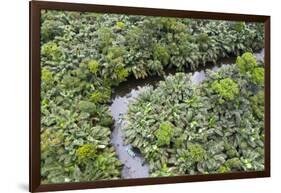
{"x":123,"y":96}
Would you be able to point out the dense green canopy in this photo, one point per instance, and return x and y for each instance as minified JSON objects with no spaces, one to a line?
{"x":85,"y":55}
{"x":186,"y":128}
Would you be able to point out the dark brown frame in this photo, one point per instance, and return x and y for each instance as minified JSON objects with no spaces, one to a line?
{"x":34,"y":94}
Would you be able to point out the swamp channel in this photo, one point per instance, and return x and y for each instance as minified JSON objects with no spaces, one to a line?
{"x":134,"y":165}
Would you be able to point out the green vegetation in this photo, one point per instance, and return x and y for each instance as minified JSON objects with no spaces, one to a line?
{"x":248,"y":65}
{"x":246,"y":62}
{"x":51,"y":51}
{"x":93,"y":66}
{"x":196,"y":153}
{"x":85,"y":55}
{"x":197,"y":135}
{"x":164,"y":133}
{"x":226,"y":88}
{"x":258,"y":76}
{"x":86,"y":152}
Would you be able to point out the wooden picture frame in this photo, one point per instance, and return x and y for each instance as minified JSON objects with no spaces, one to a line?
{"x":34,"y":99}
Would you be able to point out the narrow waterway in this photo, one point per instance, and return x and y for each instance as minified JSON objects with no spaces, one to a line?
{"x":134,"y":165}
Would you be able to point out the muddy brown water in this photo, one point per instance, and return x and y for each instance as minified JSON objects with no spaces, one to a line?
{"x":135,"y":166}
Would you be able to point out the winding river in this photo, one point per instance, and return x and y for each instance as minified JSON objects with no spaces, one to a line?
{"x":134,"y":165}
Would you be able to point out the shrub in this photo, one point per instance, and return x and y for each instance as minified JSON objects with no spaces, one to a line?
{"x":257,"y":104}
{"x":164,"y":171}
{"x":120,"y":24}
{"x":257,"y":76}
{"x":164,"y":133}
{"x":196,"y":152}
{"x":86,"y":152}
{"x":115,"y":52}
{"x":93,"y":66}
{"x":51,"y":51}
{"x":226,"y":88}
{"x":50,"y":29}
{"x":246,"y":63}
{"x":161,"y":53}
{"x":121,"y":73}
{"x":239,"y":26}
{"x":86,"y":106}
{"x":100,"y":96}
{"x":46,"y":76}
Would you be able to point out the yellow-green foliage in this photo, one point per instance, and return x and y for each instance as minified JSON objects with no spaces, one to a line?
{"x":233,"y":163}
{"x":52,"y":51}
{"x":161,"y":53}
{"x":93,"y":66}
{"x":115,"y":52}
{"x":257,"y":76}
{"x":170,"y":24}
{"x":257,"y":104}
{"x":120,"y":24}
{"x":121,"y":73}
{"x":46,"y":76}
{"x":163,"y":171}
{"x":96,"y":97}
{"x":230,"y":165}
{"x":196,"y":152}
{"x":223,"y":169}
{"x":85,"y":152}
{"x":50,"y":139}
{"x":164,"y":133}
{"x":100,"y":97}
{"x":246,"y":63}
{"x":227,"y":88}
{"x":239,"y":26}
